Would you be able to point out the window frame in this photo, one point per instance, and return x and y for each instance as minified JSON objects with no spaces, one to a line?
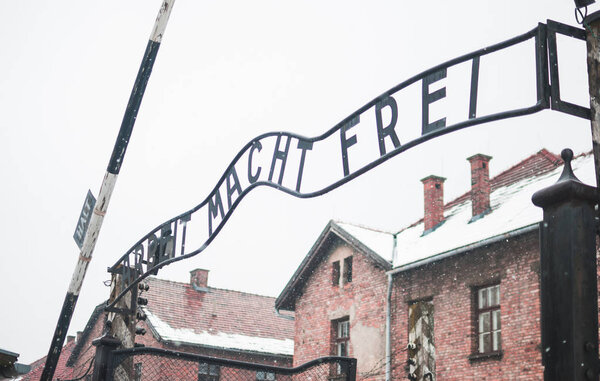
{"x":137,"y":371}
{"x":335,"y":273}
{"x":348,"y":269}
{"x":339,"y":328}
{"x":263,"y":375}
{"x":495,"y":315}
{"x":209,"y":375}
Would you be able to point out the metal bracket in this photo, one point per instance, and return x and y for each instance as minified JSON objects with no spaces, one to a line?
{"x":557,"y":103}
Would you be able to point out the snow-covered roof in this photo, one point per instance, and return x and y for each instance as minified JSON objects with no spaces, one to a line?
{"x":381,"y":242}
{"x":511,"y":211}
{"x":219,"y":339}
{"x":511,"y":206}
{"x":217,"y":318}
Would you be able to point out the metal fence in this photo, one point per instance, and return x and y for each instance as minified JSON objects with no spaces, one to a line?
{"x":160,"y":365}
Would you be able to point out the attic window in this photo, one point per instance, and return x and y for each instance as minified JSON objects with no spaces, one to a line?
{"x":208,"y":372}
{"x":137,"y":371}
{"x":335,"y":273}
{"x":348,"y":269}
{"x":267,"y":376}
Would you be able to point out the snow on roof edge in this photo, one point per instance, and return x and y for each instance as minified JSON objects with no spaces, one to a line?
{"x":511,"y":210}
{"x":220,"y":339}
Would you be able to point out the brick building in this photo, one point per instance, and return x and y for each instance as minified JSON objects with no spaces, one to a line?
{"x":454,"y":296}
{"x":195,"y":318}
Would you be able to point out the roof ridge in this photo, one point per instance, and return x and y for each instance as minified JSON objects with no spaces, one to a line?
{"x":364,"y":227}
{"x":241,"y":292}
{"x":553,"y":159}
{"x":185,"y":284}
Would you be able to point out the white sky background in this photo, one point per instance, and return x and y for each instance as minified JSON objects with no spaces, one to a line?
{"x":226,"y":72}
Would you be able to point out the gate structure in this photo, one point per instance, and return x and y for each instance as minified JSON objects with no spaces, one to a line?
{"x":166,"y":243}
{"x":141,"y":364}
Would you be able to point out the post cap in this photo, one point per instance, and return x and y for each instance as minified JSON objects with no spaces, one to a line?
{"x":568,"y":187}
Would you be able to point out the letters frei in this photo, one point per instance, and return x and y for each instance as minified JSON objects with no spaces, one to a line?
{"x":386,"y":132}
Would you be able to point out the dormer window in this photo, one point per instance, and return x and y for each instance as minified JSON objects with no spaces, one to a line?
{"x":341,"y":271}
{"x":348,"y":269}
{"x":335,"y":273}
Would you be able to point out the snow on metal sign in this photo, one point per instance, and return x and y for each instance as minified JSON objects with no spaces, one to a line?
{"x":383,"y":128}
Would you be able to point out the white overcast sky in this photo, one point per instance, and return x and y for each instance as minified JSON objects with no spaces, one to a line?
{"x":226,"y":72}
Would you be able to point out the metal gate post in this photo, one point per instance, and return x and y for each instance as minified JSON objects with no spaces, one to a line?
{"x":351,"y":371}
{"x":104,"y":346}
{"x":569,"y":294}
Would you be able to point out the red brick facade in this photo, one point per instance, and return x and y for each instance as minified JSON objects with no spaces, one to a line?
{"x":446,"y":290}
{"x":451,"y":285}
{"x":362,"y":301}
{"x":194,"y":307}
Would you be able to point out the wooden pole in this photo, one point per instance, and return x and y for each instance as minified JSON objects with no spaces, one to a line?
{"x":592,"y":29}
{"x":106,"y":189}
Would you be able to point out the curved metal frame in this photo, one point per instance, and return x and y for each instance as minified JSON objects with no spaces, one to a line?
{"x":349,"y":362}
{"x":543,"y":102}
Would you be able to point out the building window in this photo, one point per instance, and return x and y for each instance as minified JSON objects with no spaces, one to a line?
{"x":341,"y":336}
{"x":488,"y":319}
{"x":348,"y":269}
{"x":137,"y":371}
{"x":340,"y":340}
{"x":335,"y":273}
{"x":208,"y":372}
{"x":269,"y":376}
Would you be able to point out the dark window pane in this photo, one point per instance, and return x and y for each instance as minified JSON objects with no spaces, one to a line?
{"x":484,"y":322}
{"x":335,"y":273}
{"x":348,"y":269}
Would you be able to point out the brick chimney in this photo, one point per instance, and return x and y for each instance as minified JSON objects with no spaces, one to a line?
{"x":434,"y":202}
{"x":70,"y":339}
{"x":199,"y":279}
{"x":480,"y":185}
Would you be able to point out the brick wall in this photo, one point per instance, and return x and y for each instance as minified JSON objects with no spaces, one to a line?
{"x":88,"y":351}
{"x":514,"y":264}
{"x":362,"y":301}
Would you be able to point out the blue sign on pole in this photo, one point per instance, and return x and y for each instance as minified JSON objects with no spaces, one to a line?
{"x":84,"y":219}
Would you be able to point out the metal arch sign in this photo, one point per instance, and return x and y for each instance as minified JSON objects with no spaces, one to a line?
{"x":278,"y":159}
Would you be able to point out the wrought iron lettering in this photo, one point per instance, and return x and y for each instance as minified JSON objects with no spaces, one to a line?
{"x":347,"y":142}
{"x":429,"y":98}
{"x":159,"y":246}
{"x":253,"y":178}
{"x":303,"y":146}
{"x":236,"y":187}
{"x":279,"y":155}
{"x":214,"y":209}
{"x":389,"y":130}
